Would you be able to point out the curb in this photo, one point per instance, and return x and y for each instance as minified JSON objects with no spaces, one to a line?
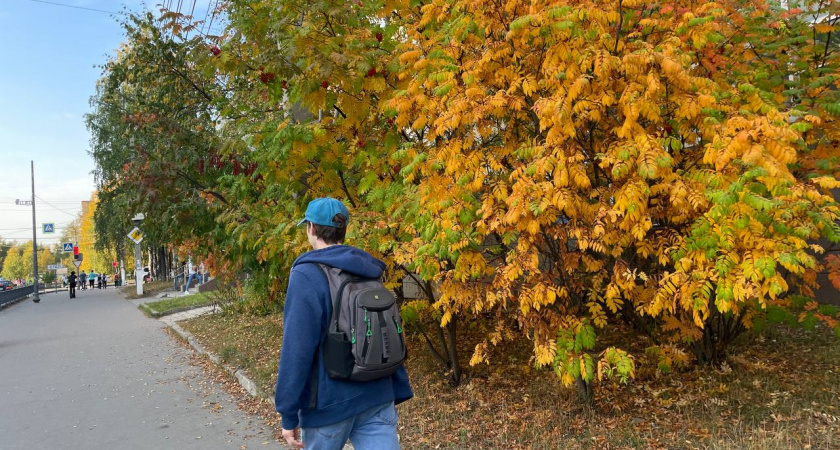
{"x":240,"y":376}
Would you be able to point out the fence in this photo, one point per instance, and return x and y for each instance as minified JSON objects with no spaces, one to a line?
{"x":7,"y":297}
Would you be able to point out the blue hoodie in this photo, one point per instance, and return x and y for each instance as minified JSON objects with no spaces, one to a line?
{"x":305,"y":320}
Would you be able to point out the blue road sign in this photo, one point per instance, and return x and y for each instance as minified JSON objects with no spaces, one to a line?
{"x":49,"y":228}
{"x":68,"y":247}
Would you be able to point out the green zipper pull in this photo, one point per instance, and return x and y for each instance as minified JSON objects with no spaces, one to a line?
{"x":352,"y":335}
{"x":368,"y":333}
{"x":399,"y":328}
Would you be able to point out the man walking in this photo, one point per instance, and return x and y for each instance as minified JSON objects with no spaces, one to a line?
{"x":193,"y":276}
{"x":71,"y":280}
{"x":329,"y":410}
{"x":83,"y":279}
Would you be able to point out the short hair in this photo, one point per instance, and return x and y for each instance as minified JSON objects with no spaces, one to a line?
{"x":332,"y":235}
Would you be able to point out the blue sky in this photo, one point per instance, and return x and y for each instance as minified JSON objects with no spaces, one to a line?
{"x":48,"y":73}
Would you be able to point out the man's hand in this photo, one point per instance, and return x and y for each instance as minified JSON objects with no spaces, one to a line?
{"x":292,"y":437}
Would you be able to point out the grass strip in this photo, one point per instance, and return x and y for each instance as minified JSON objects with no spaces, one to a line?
{"x":247,"y":342}
{"x":779,"y":389}
{"x":177,"y":304}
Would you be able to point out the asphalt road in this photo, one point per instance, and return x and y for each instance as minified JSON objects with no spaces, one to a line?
{"x":94,"y":373}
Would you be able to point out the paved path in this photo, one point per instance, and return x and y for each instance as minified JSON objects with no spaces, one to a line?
{"x":95,"y":373}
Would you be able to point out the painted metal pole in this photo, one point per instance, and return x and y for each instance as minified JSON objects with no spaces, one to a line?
{"x":122,"y":268}
{"x":35,"y":297}
{"x":138,"y":268}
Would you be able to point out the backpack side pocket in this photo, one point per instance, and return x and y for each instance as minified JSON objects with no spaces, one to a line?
{"x":337,"y":352}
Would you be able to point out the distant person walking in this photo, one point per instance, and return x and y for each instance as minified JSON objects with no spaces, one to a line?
{"x":202,"y":273}
{"x":193,"y":276}
{"x":83,"y":279}
{"x":91,"y":279}
{"x":104,"y":281}
{"x":71,"y":280}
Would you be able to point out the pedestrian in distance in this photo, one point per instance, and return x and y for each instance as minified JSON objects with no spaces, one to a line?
{"x":322,"y":408}
{"x":194,"y":275}
{"x":91,"y":279}
{"x":104,"y":281}
{"x":83,"y":279}
{"x":71,"y":280}
{"x":202,"y":273}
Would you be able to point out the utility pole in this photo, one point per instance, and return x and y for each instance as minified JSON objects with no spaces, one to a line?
{"x":35,"y":297}
{"x":136,"y":235}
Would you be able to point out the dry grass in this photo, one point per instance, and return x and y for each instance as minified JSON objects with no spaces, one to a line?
{"x":781,"y":390}
{"x":248,"y":342}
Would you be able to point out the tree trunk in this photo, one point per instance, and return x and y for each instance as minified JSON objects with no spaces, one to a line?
{"x":585,"y":392}
{"x":447,"y":356}
{"x":719,"y":331}
{"x":455,"y":374}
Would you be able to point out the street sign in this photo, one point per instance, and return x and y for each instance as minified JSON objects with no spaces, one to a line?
{"x":115,"y":264}
{"x":136,"y":235}
{"x":49,"y":228}
{"x":67,"y":247}
{"x":77,"y":263}
{"x":54,"y":267}
{"x":23,"y":202}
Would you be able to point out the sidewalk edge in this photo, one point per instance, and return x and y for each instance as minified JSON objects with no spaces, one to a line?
{"x":239,"y":374}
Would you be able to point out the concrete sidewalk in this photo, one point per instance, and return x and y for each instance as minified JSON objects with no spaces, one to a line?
{"x":94,"y":372}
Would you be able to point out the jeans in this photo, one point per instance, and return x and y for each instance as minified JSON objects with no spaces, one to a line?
{"x":374,"y":429}
{"x":192,"y":277}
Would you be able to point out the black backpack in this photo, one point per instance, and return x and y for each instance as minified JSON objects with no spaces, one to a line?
{"x":364,"y":340}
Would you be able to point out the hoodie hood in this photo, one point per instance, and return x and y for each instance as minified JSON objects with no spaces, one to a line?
{"x":347,"y":258}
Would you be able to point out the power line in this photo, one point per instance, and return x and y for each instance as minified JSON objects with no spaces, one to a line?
{"x":57,"y":208}
{"x":76,"y":7}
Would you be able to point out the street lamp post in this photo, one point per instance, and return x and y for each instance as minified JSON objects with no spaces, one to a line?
{"x":35,"y":297}
{"x":138,"y":256}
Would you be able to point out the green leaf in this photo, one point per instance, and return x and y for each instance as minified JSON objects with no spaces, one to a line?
{"x":409,"y":315}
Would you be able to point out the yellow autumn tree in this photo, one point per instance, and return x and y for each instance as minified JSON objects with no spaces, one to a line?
{"x":545,"y":169}
{"x":576,"y":163}
{"x":99,"y":261}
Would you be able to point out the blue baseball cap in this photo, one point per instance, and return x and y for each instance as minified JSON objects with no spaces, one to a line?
{"x":322,"y":210}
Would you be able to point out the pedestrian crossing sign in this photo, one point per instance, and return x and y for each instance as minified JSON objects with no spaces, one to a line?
{"x":68,"y":247}
{"x":49,"y":227}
